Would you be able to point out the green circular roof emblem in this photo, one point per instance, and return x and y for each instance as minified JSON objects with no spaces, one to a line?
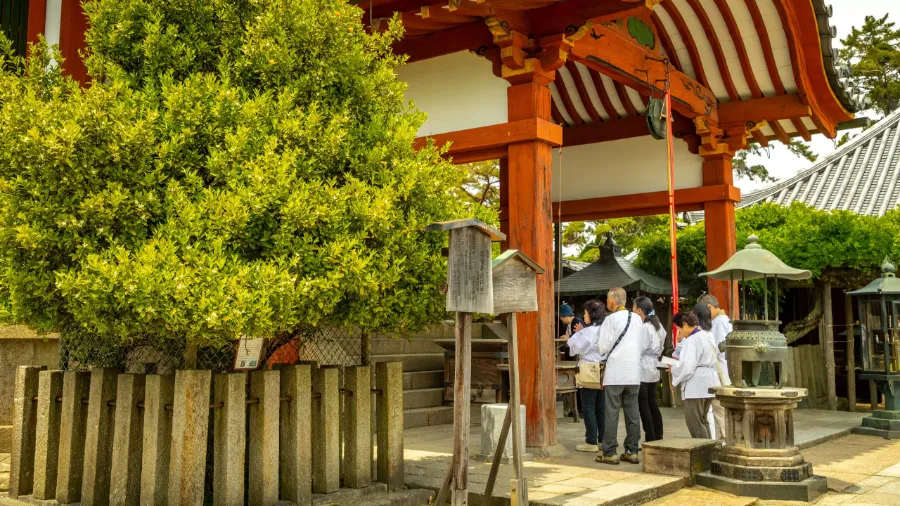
{"x":656,"y":121}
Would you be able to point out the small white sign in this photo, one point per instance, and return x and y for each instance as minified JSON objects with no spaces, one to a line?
{"x":668,"y":361}
{"x":248,"y":354}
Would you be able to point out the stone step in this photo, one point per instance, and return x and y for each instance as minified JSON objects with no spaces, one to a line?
{"x":423,"y":398}
{"x":400,"y":346}
{"x":424,"y":417}
{"x":414,"y":362}
{"x":423,"y":379}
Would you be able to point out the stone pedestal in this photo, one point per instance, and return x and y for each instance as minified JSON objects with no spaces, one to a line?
{"x":883,"y":422}
{"x":492,"y":416}
{"x":684,"y":457}
{"x":760,"y":458}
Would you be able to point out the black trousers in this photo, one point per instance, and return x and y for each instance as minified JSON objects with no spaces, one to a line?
{"x":593,"y":403}
{"x":651,"y":418}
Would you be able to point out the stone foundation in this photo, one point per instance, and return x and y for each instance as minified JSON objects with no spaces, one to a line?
{"x":882,"y":423}
{"x":760,"y":458}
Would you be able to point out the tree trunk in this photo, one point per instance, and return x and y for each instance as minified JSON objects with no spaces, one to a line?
{"x":851,"y":354}
{"x":828,"y":346}
{"x":797,"y":329}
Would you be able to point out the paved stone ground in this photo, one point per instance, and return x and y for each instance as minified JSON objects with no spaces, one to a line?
{"x":861,"y":470}
{"x":578,"y":480}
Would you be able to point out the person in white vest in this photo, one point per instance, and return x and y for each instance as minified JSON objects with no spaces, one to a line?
{"x":721,"y":327}
{"x":696,"y":372}
{"x":653,"y":337}
{"x":620,"y":346}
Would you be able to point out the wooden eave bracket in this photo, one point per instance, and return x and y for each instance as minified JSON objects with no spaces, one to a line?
{"x":495,"y":136}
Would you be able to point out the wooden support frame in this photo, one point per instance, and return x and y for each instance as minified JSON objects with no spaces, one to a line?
{"x":767,"y":109}
{"x":643,"y":204}
{"x":606,"y":50}
{"x":490,"y":142}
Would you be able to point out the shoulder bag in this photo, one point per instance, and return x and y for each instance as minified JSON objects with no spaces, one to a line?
{"x":590,"y":374}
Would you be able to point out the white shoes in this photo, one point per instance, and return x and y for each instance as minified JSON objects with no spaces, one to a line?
{"x":584,"y":447}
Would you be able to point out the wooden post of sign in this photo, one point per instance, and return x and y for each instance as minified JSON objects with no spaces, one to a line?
{"x":512,"y":413}
{"x":469,"y":290}
{"x":851,"y":353}
{"x":462,"y":388}
{"x":828,"y":348}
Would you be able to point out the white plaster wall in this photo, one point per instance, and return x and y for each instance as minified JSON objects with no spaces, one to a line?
{"x":622,"y":167}
{"x":52,"y":21}
{"x":458,"y":91}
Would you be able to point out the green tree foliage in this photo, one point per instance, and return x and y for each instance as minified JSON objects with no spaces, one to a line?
{"x":481,"y":185}
{"x":627,"y":232}
{"x":873,"y":54}
{"x":759,"y":172}
{"x":840,"y":247}
{"x":237,"y":167}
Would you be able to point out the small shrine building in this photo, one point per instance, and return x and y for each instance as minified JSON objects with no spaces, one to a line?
{"x":516,"y":80}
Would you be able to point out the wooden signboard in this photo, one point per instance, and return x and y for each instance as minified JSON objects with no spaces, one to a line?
{"x":514,"y":278}
{"x":469,"y":283}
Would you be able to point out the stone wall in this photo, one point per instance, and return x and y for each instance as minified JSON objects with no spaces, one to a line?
{"x":19,"y":346}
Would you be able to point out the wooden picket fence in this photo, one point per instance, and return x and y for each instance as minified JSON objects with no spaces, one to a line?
{"x":104,"y":437}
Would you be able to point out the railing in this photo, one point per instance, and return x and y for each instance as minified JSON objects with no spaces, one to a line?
{"x":104,"y":436}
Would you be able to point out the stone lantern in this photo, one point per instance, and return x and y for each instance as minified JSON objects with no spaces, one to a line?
{"x":754,"y":342}
{"x":759,"y":458}
{"x":879,"y":308}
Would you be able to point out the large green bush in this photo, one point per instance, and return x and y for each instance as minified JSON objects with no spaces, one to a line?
{"x":839,"y":247}
{"x":236,"y":166}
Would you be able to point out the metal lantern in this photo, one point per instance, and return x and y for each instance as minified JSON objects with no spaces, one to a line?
{"x":754,"y":342}
{"x":879,"y":308}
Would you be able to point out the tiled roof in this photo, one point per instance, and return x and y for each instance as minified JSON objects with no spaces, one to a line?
{"x":863,"y":176}
{"x":610,"y":271}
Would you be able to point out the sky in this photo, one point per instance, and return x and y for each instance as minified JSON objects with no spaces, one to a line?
{"x":782,"y":164}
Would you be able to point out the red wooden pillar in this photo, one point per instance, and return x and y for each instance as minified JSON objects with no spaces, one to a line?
{"x":504,"y":201}
{"x":721,"y":240}
{"x":530,"y":229}
{"x":72,"y":27}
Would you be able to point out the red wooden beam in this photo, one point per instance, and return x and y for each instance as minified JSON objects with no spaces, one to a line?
{"x":626,"y":100}
{"x":780,"y":133}
{"x":482,"y":155}
{"x":666,"y":41}
{"x":757,"y":109}
{"x":494,"y":136}
{"x":567,"y":100}
{"x":465,"y":37}
{"x":604,"y":97}
{"x":642,"y":204}
{"x":739,"y":46}
{"x":688,"y":39}
{"x":72,"y":27}
{"x":559,"y":17}
{"x":766,"y":44}
{"x":605,"y":131}
{"x":716,"y":47}
{"x":801,"y":129}
{"x":582,"y":91}
{"x":606,"y":50}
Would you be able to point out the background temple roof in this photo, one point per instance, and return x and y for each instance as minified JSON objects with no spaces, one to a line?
{"x":862,"y":176}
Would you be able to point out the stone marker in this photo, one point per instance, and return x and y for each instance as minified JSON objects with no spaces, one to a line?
{"x":358,"y":430}
{"x":326,"y":450}
{"x":98,"y":441}
{"x":72,"y":426}
{"x":230,"y":438}
{"x":295,"y":449}
{"x":21,"y":463}
{"x":389,"y":380}
{"x":158,"y":392}
{"x":682,"y":457}
{"x":50,"y":386}
{"x":265,"y":386}
{"x":492,"y":416}
{"x":125,"y":482}
{"x":190,"y":428}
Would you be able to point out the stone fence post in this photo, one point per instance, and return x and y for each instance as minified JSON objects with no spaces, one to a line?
{"x":21,"y":469}
{"x":389,"y":381}
{"x":190,"y":428}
